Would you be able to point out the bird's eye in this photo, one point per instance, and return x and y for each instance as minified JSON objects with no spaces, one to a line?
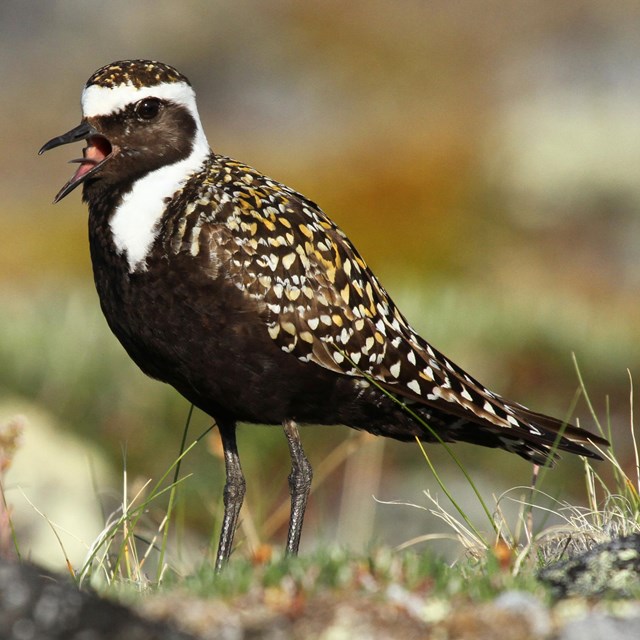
{"x":148,"y":108}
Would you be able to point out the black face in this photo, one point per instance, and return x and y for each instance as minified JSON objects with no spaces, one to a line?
{"x":147,"y":135}
{"x":144,"y":136}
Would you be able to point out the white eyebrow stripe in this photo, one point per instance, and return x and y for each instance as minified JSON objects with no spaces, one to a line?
{"x":103,"y":101}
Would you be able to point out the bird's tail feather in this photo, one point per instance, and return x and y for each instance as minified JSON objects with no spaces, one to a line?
{"x":538,"y":440}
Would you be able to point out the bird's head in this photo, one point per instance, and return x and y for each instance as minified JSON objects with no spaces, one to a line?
{"x":137,"y":116}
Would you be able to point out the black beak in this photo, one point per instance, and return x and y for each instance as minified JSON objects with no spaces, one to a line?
{"x":83,"y":131}
{"x":93,"y":155}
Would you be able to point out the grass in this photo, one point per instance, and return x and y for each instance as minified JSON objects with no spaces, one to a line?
{"x":611,"y":512}
{"x":130,"y":556}
{"x":326,"y":568}
{"x":139,"y":551}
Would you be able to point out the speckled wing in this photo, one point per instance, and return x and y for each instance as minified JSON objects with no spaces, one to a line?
{"x":317,"y":297}
{"x":321,"y":303}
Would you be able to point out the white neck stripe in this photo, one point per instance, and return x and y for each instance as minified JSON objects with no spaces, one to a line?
{"x":134,"y":224}
{"x":104,"y":101}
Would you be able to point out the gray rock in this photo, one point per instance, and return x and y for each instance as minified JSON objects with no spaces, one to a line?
{"x":38,"y":605}
{"x":600,"y":626}
{"x":611,"y":568}
{"x":527,"y":605}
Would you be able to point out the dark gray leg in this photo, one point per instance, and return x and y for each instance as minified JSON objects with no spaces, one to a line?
{"x":299,"y":485}
{"x":234,"y":490}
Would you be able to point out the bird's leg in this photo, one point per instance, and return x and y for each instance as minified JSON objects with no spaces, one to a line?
{"x":299,"y":485}
{"x":234,"y":491}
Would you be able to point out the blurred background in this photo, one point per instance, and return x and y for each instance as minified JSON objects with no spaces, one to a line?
{"x":483,"y":156}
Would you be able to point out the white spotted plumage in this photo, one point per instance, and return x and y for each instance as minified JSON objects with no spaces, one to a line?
{"x":244,"y":296}
{"x":317,"y":298}
{"x":346,"y":320}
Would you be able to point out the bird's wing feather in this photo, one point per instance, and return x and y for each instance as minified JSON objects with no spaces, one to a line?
{"x":321,"y":303}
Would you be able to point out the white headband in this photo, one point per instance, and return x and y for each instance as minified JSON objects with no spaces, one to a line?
{"x":103,"y":101}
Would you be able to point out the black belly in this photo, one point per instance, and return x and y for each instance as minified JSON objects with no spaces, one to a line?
{"x":206,"y":339}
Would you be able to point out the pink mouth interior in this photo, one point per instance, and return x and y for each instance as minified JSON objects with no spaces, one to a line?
{"x":94,"y":153}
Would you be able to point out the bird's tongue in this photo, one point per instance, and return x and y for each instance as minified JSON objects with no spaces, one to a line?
{"x":92,"y":155}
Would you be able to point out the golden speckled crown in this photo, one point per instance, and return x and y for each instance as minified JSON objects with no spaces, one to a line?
{"x":136,"y":73}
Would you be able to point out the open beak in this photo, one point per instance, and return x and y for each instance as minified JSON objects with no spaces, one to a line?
{"x":94,"y":155}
